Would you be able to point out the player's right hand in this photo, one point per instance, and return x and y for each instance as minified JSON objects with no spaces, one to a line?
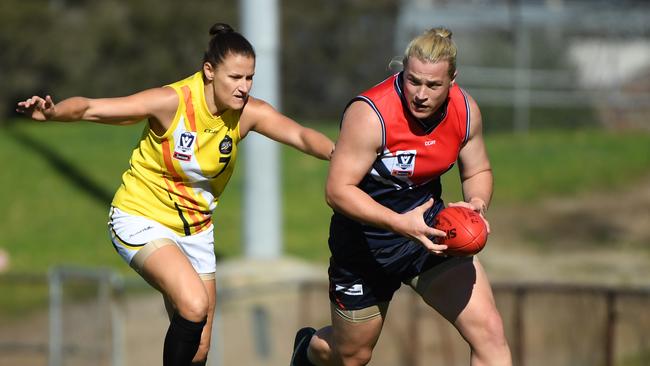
{"x":414,"y":227}
{"x":37,"y":108}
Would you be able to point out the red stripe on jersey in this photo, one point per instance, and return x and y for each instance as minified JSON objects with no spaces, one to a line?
{"x":189,"y":108}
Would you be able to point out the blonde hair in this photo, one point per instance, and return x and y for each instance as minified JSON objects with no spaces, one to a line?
{"x":432,"y":46}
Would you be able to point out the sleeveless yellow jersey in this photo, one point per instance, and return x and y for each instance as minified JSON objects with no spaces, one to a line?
{"x":176,"y":179}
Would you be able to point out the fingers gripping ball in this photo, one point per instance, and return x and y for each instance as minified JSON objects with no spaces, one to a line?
{"x":466,"y":231}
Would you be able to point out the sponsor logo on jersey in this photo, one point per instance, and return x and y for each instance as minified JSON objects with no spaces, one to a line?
{"x":184,"y":146}
{"x":183,"y":157}
{"x":354,"y":290}
{"x":404,"y":163}
{"x":225,"y":146}
{"x":429,"y":142}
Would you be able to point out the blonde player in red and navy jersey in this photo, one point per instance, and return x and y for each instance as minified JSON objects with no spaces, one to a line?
{"x":396,"y":140}
{"x":161,"y":216}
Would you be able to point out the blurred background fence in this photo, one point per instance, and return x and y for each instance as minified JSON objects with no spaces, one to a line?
{"x":92,"y":321}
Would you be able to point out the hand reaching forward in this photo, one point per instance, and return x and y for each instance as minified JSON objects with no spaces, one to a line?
{"x":413,"y":226}
{"x":37,"y":108}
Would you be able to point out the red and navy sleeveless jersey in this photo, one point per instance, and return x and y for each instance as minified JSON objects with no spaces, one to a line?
{"x":414,"y":154}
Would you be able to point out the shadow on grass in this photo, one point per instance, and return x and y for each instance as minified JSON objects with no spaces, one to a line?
{"x":74,"y":175}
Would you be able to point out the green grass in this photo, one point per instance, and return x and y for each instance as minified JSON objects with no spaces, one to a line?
{"x":20,"y":298}
{"x":49,"y":221}
{"x":556,"y":163}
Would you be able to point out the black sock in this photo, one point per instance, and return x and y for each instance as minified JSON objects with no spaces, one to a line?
{"x":182,"y":341}
{"x":301,"y":356}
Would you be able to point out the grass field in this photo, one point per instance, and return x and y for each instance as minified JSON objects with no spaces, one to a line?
{"x":50,"y":218}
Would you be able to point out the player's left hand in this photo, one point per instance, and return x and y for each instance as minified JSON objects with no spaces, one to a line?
{"x":475,"y":204}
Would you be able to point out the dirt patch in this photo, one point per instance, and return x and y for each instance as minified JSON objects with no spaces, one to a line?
{"x":601,"y":237}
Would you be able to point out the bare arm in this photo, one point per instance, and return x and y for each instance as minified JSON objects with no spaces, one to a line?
{"x":158,"y":104}
{"x":262,"y":118}
{"x":474,"y":166}
{"x":356,"y":150}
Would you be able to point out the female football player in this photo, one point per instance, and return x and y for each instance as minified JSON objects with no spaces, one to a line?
{"x":161,"y":216}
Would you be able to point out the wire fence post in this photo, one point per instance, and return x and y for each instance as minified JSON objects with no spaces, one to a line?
{"x":116,"y":284}
{"x":522,"y":74}
{"x":55,"y":346}
{"x":520,"y":296}
{"x":610,"y":332}
{"x":109,"y":286}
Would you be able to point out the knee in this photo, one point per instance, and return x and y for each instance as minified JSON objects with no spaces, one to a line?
{"x":193,"y":308}
{"x":493,"y":332}
{"x":319,"y":349}
{"x":490,"y":340}
{"x":357,"y":357}
{"x":322,"y":350}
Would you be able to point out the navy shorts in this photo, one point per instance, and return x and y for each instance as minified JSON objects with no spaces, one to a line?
{"x":360,"y":277}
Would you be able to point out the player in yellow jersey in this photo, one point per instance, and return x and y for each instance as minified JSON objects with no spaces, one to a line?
{"x":160,"y":219}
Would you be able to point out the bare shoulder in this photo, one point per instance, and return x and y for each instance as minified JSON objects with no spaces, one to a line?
{"x":476,"y":120}
{"x":361,"y":126}
{"x":164,"y":98}
{"x":256,"y":114}
{"x":471,"y":102}
{"x":255,"y":108}
{"x":360,"y":115}
{"x":161,"y":104}
{"x":146,"y":102}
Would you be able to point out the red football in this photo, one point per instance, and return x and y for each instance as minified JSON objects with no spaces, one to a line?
{"x":466,"y":231}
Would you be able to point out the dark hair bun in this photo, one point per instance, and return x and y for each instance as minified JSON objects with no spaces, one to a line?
{"x":220,"y":28}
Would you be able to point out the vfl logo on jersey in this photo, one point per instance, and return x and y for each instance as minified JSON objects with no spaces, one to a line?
{"x":354,"y":290}
{"x":184,"y":146}
{"x":404,"y":163}
{"x":225,"y":146}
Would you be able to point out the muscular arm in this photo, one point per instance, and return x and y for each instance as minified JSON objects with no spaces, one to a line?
{"x":158,"y":104}
{"x":474,"y":165}
{"x":262,"y":118}
{"x":356,"y":150}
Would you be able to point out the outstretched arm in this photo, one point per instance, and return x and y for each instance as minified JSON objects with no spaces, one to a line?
{"x":262,"y":118}
{"x":159,"y":103}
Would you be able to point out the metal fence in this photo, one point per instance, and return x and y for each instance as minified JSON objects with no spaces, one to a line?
{"x":547,"y":324}
{"x":590,"y":59}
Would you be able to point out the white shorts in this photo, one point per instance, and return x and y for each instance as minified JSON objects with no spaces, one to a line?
{"x":130,"y":234}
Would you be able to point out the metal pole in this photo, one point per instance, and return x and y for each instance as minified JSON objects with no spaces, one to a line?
{"x":216,"y":355}
{"x":610,"y":333}
{"x":117,"y":319}
{"x":262,"y":206}
{"x":519,"y":329}
{"x":413,"y":339}
{"x":55,"y":345}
